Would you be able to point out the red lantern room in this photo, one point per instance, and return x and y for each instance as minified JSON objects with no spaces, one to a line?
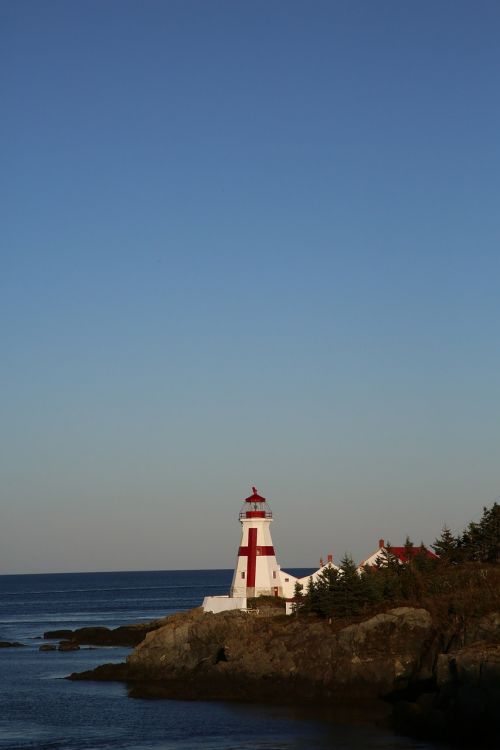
{"x":255,"y":506}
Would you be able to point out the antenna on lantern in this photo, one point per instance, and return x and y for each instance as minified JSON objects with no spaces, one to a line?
{"x":255,"y":493}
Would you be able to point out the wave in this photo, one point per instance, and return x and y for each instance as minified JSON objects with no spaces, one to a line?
{"x":169,"y":587}
{"x":138,"y":601}
{"x":85,"y":616}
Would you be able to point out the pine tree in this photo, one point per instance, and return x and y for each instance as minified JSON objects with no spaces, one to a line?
{"x":489,"y":526}
{"x":310,"y":599}
{"x":422,"y":561}
{"x":446,"y":546}
{"x":326,"y":586}
{"x":298,"y":595}
{"x":387,"y":559}
{"x":389,"y":569}
{"x":409,"y":551}
{"x":481,"y":541}
{"x":350,"y":590}
{"x":298,"y":590}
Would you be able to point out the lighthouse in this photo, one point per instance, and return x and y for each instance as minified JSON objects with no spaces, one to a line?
{"x":257,"y":571}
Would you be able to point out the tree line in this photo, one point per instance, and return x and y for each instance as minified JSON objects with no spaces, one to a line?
{"x":456,"y":576}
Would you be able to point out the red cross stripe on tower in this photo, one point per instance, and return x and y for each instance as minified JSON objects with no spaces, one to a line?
{"x":252,"y":551}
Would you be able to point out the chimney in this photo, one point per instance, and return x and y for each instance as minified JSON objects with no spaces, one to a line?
{"x":321,"y":563}
{"x":330,"y":557}
{"x":381,"y":543}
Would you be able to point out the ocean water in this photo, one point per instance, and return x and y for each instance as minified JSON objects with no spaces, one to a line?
{"x":39,"y":709}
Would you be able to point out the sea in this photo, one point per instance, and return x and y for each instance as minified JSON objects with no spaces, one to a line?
{"x":40,"y":709}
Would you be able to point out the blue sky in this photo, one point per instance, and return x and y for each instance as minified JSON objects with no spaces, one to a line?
{"x":245,"y":243}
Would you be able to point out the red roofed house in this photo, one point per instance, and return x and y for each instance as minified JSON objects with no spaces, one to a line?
{"x":400,"y":553}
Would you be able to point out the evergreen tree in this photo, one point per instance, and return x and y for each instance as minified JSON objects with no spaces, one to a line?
{"x":326,"y":586}
{"x":387,"y":559}
{"x":298,"y":595}
{"x":310,"y":599}
{"x":422,"y":561}
{"x":350,"y":592}
{"x":409,"y":550}
{"x":480,"y":542}
{"x":298,"y":590}
{"x":446,"y":546}
{"x":389,"y":568}
{"x":490,"y":534}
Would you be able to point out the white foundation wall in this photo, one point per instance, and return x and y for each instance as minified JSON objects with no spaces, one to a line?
{"x":217,"y":604}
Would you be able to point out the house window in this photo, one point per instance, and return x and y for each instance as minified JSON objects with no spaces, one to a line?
{"x":242,"y":573}
{"x":286,"y":580}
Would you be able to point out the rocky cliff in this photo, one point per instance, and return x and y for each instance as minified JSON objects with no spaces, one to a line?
{"x":441,"y":684}
{"x":241,"y":654}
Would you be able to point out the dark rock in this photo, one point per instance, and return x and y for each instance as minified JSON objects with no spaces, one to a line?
{"x":11,"y":644}
{"x":463,"y":709}
{"x":58,"y":635}
{"x":47,"y":647}
{"x":125,"y":635}
{"x":468,"y":681}
{"x":68,"y":646}
{"x":104,"y":673}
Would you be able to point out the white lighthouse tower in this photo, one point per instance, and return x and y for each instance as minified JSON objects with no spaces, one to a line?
{"x":257,"y":571}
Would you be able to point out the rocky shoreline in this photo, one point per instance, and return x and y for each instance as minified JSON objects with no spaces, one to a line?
{"x":125,"y":635}
{"x":435,"y":683}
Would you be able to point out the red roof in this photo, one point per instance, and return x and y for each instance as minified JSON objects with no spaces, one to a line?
{"x":400,"y":553}
{"x":255,"y":498}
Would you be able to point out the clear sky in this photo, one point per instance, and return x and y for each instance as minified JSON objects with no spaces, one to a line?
{"x":245,"y":243}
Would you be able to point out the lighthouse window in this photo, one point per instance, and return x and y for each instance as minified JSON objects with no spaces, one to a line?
{"x":242,"y":573}
{"x":274,"y":574}
{"x":286,"y":580}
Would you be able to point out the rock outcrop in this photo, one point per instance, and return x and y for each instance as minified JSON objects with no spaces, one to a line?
{"x":68,"y":646}
{"x":125,"y":635}
{"x":461,"y":703}
{"x":469,"y":685}
{"x":440,"y":684}
{"x":234,"y":654}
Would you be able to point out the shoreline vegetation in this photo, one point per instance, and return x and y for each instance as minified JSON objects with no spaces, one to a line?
{"x":461,"y":578}
{"x":416,"y":644}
